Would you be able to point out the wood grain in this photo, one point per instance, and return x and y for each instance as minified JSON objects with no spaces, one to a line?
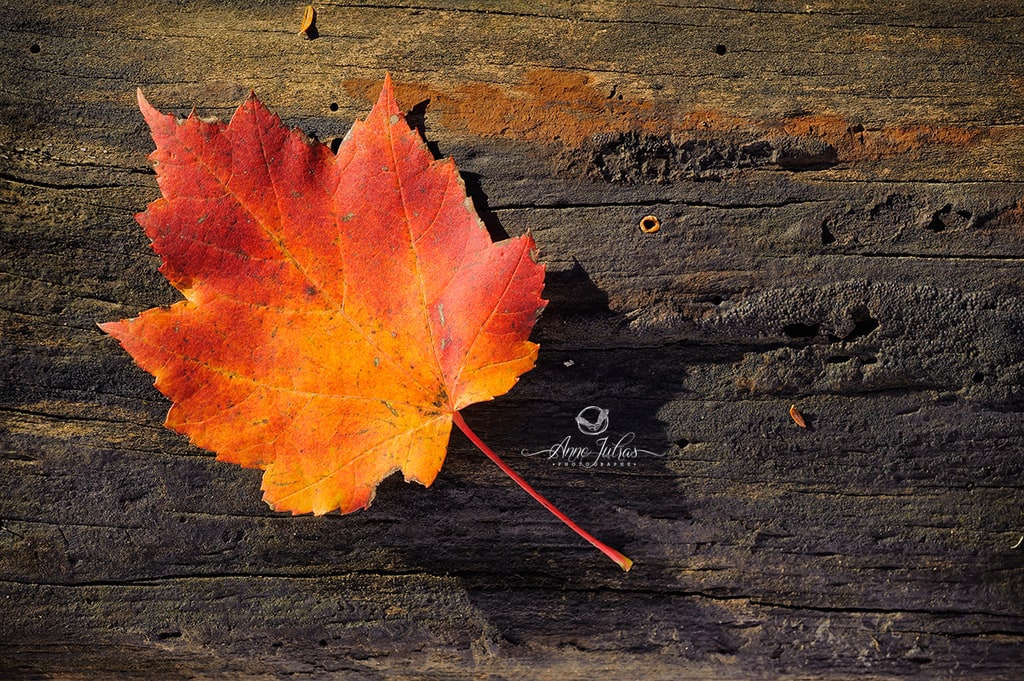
{"x":840,"y":187}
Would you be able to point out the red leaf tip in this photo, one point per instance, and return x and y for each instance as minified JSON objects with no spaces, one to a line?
{"x":386,"y":99}
{"x":148,"y":112}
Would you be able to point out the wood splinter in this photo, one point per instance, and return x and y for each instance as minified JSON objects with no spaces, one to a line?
{"x":308,"y":30}
{"x":798,"y":418}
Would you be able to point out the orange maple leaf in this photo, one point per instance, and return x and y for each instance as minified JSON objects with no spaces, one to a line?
{"x":339,"y":309}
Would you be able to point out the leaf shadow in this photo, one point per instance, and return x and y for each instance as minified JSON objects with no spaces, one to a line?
{"x":416,"y":117}
{"x":572,"y":293}
{"x":480,"y":201}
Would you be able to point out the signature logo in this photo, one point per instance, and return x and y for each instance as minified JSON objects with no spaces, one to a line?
{"x":592,"y":420}
{"x":592,"y":451}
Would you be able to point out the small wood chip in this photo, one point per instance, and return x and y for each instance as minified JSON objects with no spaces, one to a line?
{"x":798,"y":418}
{"x":308,"y":17}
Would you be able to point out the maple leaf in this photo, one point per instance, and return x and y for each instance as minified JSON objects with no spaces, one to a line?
{"x":339,"y":309}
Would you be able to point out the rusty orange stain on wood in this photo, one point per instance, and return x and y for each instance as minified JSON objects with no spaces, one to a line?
{"x":558,"y":107}
{"x":854,"y":142}
{"x":712,"y":121}
{"x":1014,"y":215}
{"x":548,"y":106}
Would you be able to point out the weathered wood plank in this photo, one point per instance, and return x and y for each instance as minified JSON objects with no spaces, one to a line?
{"x":840,"y":189}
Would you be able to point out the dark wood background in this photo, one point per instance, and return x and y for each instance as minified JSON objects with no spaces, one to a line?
{"x":841,"y":192}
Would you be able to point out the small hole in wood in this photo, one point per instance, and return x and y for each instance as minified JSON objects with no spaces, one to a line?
{"x":720,"y":50}
{"x":938,"y":223}
{"x":34,"y":48}
{"x":649,"y":224}
{"x":863,"y":324}
{"x":334,"y":106}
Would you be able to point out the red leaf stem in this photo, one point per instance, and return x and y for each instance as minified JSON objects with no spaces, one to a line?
{"x":621,"y":560}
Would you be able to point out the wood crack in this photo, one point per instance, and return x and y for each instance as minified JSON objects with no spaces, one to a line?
{"x":65,"y":186}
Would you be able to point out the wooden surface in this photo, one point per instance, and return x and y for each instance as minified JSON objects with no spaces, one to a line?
{"x":841,"y":192}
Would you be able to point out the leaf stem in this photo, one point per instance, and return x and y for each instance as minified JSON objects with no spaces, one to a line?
{"x":622,"y":561}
